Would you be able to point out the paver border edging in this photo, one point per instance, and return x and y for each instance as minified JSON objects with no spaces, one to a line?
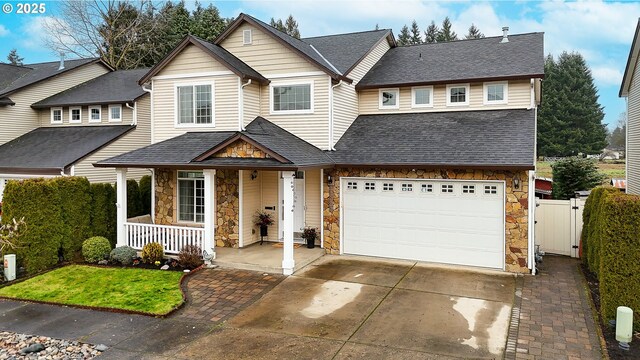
{"x":110,"y":309}
{"x":510,"y":349}
{"x":594,"y":314}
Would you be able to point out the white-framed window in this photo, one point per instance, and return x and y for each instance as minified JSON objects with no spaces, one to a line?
{"x":95,"y":113}
{"x":458,"y":95}
{"x":291,"y":98}
{"x":56,"y":115}
{"x":422,"y":96}
{"x":115,"y":113}
{"x":427,"y":188}
{"x":352,"y":185}
{"x":191,"y":196}
{"x":387,"y":187}
{"x":370,"y":186}
{"x":468,"y":189}
{"x":246,"y":37}
{"x":407,"y":187}
{"x":446,"y":188}
{"x":490,"y":189}
{"x":194,"y":104}
{"x":496,"y":92}
{"x":75,"y":115}
{"x":389,"y":98}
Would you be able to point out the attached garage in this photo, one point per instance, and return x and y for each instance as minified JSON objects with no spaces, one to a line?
{"x":445,"y":221}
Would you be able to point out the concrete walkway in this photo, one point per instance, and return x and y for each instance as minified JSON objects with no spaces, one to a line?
{"x":556,"y":321}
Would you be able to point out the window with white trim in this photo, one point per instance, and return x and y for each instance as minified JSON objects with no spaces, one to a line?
{"x":407,"y":187}
{"x":389,"y":98}
{"x":115,"y":113}
{"x":387,"y":187}
{"x":195,"y":104}
{"x":422,"y":96}
{"x":246,"y":37}
{"x":292,"y":98}
{"x":490,"y":189}
{"x":75,"y":115}
{"x":95,"y":114}
{"x":370,"y":186}
{"x":427,"y":188}
{"x":496,"y":93}
{"x":458,"y":95}
{"x":468,"y":189}
{"x":352,"y":185}
{"x":446,"y":188}
{"x":56,"y":115}
{"x":191,"y":196}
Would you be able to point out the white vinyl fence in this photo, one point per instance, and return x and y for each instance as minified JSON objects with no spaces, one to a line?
{"x":559,"y":226}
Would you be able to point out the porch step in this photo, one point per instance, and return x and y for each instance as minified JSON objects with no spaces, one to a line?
{"x":264,"y":258}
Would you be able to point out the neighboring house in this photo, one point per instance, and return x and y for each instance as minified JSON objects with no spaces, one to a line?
{"x":544,"y":188}
{"x":424,"y":152}
{"x":630,"y":89}
{"x":612,"y":154}
{"x":69,"y":130}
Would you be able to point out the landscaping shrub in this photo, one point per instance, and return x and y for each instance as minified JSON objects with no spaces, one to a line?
{"x":75,"y":203}
{"x":619,"y":274}
{"x":133,"y":199}
{"x":123,"y":255}
{"x":38,"y":202}
{"x":592,"y":237}
{"x":190,"y":256}
{"x":95,"y":249}
{"x":103,"y":211}
{"x":145,"y":195}
{"x":152,"y":252}
{"x":574,"y":174}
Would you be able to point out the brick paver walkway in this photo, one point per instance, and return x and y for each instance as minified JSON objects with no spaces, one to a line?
{"x":556,"y":321}
{"x":217,"y":294}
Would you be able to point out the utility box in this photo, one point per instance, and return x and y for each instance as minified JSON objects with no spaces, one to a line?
{"x":10,"y":267}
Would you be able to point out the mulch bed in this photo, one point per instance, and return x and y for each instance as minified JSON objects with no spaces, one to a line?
{"x":609,"y":332}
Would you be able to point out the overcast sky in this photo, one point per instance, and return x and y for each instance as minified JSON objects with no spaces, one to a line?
{"x":601,"y":31}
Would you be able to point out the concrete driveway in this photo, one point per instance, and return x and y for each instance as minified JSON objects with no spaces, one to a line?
{"x":348,"y":308}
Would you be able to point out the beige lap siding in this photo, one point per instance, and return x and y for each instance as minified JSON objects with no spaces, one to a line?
{"x":516,"y":205}
{"x":251,"y":204}
{"x":312,"y":202}
{"x":633,"y":135}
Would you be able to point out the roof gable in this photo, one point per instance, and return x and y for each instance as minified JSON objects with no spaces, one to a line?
{"x":632,"y":62}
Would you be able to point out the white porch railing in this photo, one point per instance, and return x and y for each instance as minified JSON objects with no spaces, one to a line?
{"x":172,"y":238}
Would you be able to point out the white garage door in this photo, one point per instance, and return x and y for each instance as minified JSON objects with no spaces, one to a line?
{"x":454,"y":222}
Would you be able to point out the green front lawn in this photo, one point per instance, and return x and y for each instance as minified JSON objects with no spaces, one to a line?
{"x":151,"y":291}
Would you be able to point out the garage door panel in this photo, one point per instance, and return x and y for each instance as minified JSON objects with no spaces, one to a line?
{"x":455,"y":228}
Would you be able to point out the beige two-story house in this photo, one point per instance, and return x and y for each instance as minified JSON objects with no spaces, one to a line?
{"x":630,"y":89}
{"x":423,"y":152}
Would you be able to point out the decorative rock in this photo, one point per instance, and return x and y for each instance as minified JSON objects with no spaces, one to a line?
{"x":103,"y":262}
{"x":101,"y":347}
{"x":33,"y":348}
{"x":187,"y":270}
{"x":164,"y":267}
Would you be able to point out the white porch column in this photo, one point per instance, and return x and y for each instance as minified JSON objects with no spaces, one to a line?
{"x":209,"y":210}
{"x":121,"y":205}
{"x":288,"y":263}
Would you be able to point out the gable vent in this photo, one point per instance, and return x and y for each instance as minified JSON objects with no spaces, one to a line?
{"x":246,"y":37}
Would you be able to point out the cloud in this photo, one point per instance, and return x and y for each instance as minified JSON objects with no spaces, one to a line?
{"x":3,"y":30}
{"x":607,"y":76}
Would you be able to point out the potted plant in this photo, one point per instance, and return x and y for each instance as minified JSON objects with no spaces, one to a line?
{"x":264,"y":220}
{"x":310,"y":235}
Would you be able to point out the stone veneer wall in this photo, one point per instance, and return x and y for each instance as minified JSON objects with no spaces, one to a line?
{"x":241,"y":149}
{"x":516,"y":231}
{"x":227,"y":204}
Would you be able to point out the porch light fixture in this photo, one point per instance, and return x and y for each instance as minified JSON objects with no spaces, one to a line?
{"x":516,"y":183}
{"x":254,"y":174}
{"x":329,"y":180}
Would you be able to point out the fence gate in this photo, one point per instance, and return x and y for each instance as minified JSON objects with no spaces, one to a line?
{"x":559,"y":226}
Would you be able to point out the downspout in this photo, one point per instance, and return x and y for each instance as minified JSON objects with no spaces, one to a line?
{"x":241,"y":103}
{"x":150,"y":91}
{"x":331,"y":114}
{"x":134,"y":108}
{"x":532,"y":185}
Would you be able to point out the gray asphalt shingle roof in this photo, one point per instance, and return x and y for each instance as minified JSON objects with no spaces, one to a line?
{"x":344,"y":51}
{"x":487,"y":58}
{"x":111,"y":88}
{"x":491,"y":138}
{"x":231,"y":59}
{"x":36,"y":72}
{"x":52,"y":149}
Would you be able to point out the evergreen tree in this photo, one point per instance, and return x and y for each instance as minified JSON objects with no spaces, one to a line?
{"x":289,"y":26}
{"x":570,"y":117}
{"x":207,"y":23}
{"x":404,"y":38}
{"x":446,"y":33}
{"x":574,"y":174}
{"x":431,"y":34}
{"x":617,"y":138}
{"x":416,"y":37}
{"x":14,"y":58}
{"x":474,"y":33}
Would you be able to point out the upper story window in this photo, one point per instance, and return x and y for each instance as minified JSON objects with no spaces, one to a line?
{"x":194,"y":104}
{"x":246,"y":37}
{"x":56,"y":115}
{"x":496,"y":93}
{"x":458,"y":95}
{"x":292,"y":98}
{"x":95,"y":114}
{"x":389,"y":99}
{"x":75,"y":115}
{"x":422,"y":96}
{"x":115,"y":113}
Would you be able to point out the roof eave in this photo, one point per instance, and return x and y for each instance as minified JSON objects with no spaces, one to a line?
{"x":439,"y":166}
{"x":632,"y":60}
{"x":361,"y":86}
{"x":32,"y":171}
{"x":37,"y":106}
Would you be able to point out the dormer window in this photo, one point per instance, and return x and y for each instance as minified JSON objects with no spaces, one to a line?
{"x":56,"y":115}
{"x":95,"y":114}
{"x":495,"y":93}
{"x":246,"y":37}
{"x":458,"y":95}
{"x":389,"y":98}
{"x":75,"y":115}
{"x":422,"y":96}
{"x":115,"y":113}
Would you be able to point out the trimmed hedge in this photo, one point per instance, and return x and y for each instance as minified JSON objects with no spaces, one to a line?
{"x":618,"y":227}
{"x":103,"y":214}
{"x":145,"y":195}
{"x":133,"y":199}
{"x":590,"y":230}
{"x":75,"y":203}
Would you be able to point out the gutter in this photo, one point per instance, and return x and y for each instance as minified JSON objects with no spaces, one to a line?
{"x":241,"y":103}
{"x":134,"y":108}
{"x":150,"y":91}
